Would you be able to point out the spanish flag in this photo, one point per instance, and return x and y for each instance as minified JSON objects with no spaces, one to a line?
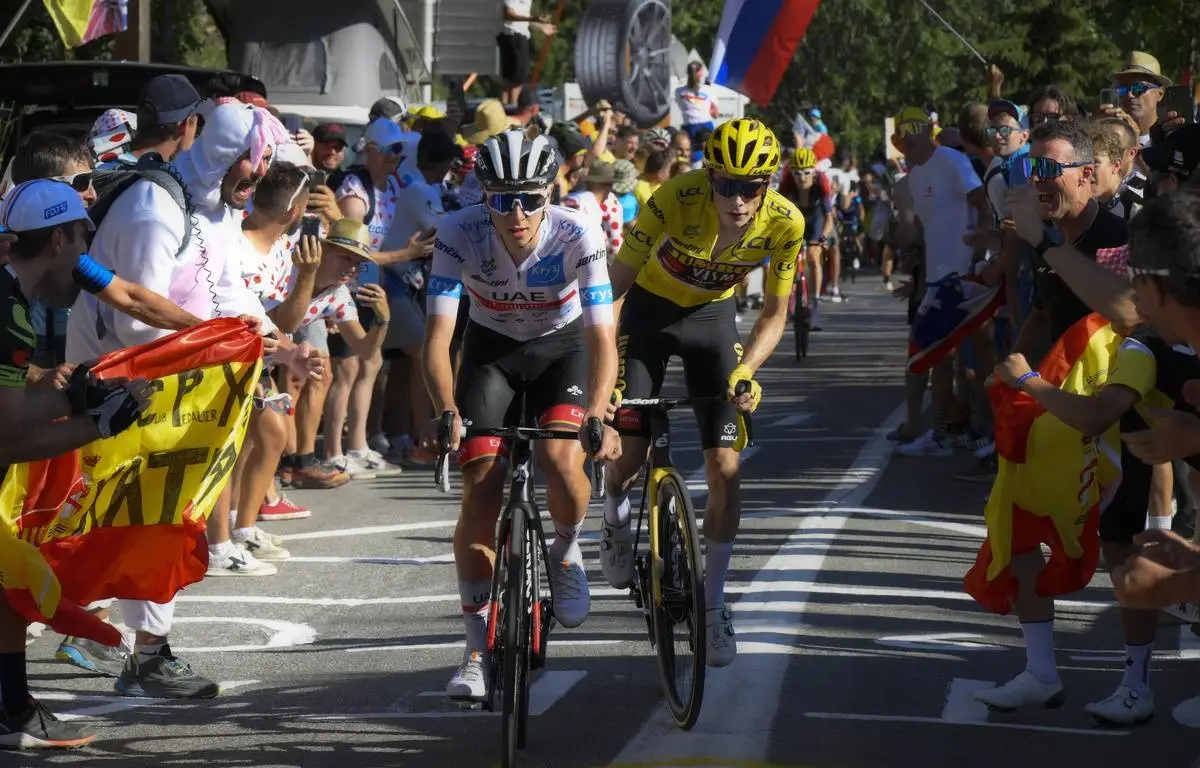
{"x":125,"y":517}
{"x":1051,"y":479}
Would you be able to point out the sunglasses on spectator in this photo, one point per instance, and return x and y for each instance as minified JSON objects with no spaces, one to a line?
{"x":530,"y":202}
{"x":1004,"y":131}
{"x":911,"y":128}
{"x":80,"y":182}
{"x":1047,"y":169}
{"x":1137,"y":89}
{"x":1037,"y":118}
{"x":280,"y":402}
{"x":391,"y":150}
{"x":747,"y":190}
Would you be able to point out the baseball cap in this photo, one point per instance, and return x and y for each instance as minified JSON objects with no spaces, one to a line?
{"x":391,"y":107}
{"x":1006,"y":107}
{"x":912,"y":115}
{"x":169,"y":99}
{"x":290,"y":152}
{"x":383,"y":133}
{"x":329,"y":132}
{"x":1177,"y":153}
{"x":438,"y":147}
{"x":40,"y":204}
{"x":490,"y":120}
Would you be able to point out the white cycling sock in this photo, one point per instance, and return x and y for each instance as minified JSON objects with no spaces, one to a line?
{"x":616,"y":509}
{"x":241,"y":534}
{"x":566,"y":542}
{"x":476,"y":596}
{"x":1039,"y":650}
{"x":1137,"y":667}
{"x":716,"y":564}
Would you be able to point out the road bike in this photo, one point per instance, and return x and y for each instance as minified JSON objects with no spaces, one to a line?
{"x":521,"y":611}
{"x":800,"y":315}
{"x":668,"y":583}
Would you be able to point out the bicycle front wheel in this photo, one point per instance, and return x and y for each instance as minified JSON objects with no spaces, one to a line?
{"x":678,"y":594}
{"x":515,"y":675}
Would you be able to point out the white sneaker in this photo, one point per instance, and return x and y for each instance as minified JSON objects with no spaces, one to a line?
{"x":888,"y":286}
{"x":1024,"y":690}
{"x":569,"y":589}
{"x":1126,"y":706}
{"x":239,"y":563}
{"x":616,"y":554}
{"x":925,"y":445}
{"x":379,"y":443}
{"x":262,"y":545}
{"x":356,"y":469}
{"x":1188,"y":613}
{"x":372,"y":461}
{"x":722,"y":644}
{"x":470,"y":680}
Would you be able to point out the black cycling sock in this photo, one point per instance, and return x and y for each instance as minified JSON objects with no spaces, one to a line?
{"x":14,"y":683}
{"x":305,"y":460}
{"x":289,"y":461}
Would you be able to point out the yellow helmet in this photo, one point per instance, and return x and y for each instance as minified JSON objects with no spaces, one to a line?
{"x":742,"y":148}
{"x":803,"y":159}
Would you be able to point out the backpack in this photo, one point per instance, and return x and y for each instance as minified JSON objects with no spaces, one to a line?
{"x":111,"y":184}
{"x":337,"y":178}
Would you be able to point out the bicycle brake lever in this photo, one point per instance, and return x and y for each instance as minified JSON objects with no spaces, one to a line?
{"x":739,"y":389}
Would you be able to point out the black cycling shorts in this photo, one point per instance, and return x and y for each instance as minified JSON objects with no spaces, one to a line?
{"x":814,"y":225}
{"x":499,"y":375}
{"x":654,"y":329}
{"x":1125,"y":515}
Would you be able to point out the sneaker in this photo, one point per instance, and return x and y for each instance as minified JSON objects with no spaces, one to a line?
{"x":259,"y":545}
{"x":285,"y":477}
{"x":1188,"y":613}
{"x":379,"y":443}
{"x":316,"y":477}
{"x":92,"y":656}
{"x":33,"y":632}
{"x":348,"y":465}
{"x":888,"y":286}
{"x":722,"y":644}
{"x":969,"y":441}
{"x":38,"y":728}
{"x":987,"y":449}
{"x":1126,"y":706}
{"x":569,"y":589}
{"x":282,"y":508}
{"x":164,"y":677}
{"x":470,"y":680}
{"x":616,"y":554}
{"x":374,"y":462}
{"x":925,"y":445}
{"x":239,"y":563}
{"x":983,"y":472}
{"x":1024,"y":690}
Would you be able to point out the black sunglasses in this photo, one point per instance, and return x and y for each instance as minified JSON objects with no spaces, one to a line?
{"x":80,"y":182}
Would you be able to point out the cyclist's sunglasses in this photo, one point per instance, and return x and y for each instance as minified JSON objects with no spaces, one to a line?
{"x":530,"y":202}
{"x":747,"y":190}
{"x":1004,"y":131}
{"x":281,"y":402}
{"x":1045,"y":168}
{"x":1137,"y":89}
{"x":80,"y":182}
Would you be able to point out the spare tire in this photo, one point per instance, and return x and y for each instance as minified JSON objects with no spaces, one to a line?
{"x":623,"y":54}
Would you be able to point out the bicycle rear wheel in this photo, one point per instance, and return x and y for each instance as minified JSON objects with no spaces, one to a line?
{"x":678,"y":594}
{"x":515,"y":672}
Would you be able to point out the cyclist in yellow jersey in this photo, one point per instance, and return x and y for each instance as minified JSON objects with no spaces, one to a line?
{"x":673,"y":279}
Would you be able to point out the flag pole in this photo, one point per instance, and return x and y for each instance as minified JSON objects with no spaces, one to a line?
{"x":16,"y":19}
{"x":954,"y":32}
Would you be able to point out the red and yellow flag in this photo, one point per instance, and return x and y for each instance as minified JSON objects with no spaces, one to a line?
{"x":125,"y":517}
{"x":1050,"y":481}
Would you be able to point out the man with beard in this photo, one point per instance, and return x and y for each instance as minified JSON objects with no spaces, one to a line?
{"x":139,"y":239}
{"x":52,"y":226}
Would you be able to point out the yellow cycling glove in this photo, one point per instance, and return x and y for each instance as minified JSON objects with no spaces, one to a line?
{"x":743,"y":373}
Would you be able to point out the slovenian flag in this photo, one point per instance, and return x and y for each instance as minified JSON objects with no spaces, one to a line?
{"x":755,"y":43}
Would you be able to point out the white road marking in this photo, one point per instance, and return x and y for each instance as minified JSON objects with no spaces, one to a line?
{"x":435,"y":559}
{"x":916,"y":518}
{"x":940,"y":721}
{"x":371,"y":530}
{"x":119,"y":703}
{"x":284,"y":634}
{"x":946,"y":641}
{"x":1187,"y":713}
{"x":550,"y":687}
{"x":1189,"y":644}
{"x":736,"y":720}
{"x":961,"y":706}
{"x":794,"y":420}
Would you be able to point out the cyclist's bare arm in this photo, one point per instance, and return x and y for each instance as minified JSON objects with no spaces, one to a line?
{"x":768,"y":330}
{"x":438,"y":369}
{"x":602,"y":374}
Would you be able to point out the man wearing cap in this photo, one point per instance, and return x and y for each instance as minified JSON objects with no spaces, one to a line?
{"x":1173,"y":160}
{"x":166,"y":120}
{"x":1139,"y":86}
{"x":491,"y":119}
{"x":419,"y":212}
{"x":51,"y":224}
{"x":329,"y":147}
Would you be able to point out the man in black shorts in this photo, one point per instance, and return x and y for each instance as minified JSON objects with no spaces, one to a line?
{"x":516,"y":46}
{"x":51,"y":227}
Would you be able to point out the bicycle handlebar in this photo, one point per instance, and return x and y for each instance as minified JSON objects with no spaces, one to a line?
{"x":670,"y":403}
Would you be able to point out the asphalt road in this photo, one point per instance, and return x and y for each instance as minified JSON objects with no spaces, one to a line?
{"x":857,"y":645}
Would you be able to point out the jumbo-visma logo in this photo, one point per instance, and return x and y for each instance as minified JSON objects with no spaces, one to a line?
{"x":546,"y":272}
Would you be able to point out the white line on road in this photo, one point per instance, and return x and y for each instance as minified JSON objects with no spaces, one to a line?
{"x":550,"y":687}
{"x":284,"y":634}
{"x":961,"y":706}
{"x":940,"y":721}
{"x":946,"y":641}
{"x":794,"y":420}
{"x":370,"y":530}
{"x":736,"y":720}
{"x":1187,"y":713}
{"x":435,"y":559}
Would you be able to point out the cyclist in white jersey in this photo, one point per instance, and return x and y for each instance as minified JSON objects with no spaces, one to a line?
{"x":540,"y":332}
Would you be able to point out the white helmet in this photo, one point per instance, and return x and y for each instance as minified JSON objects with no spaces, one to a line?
{"x":512,"y":160}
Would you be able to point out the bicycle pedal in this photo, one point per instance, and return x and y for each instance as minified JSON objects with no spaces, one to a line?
{"x":469,"y":705}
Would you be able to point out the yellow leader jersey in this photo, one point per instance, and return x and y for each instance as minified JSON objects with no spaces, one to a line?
{"x":672,"y":243}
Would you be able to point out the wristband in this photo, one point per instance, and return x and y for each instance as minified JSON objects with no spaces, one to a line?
{"x":1024,"y":377}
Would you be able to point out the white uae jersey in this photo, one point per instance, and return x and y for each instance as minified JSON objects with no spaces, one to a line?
{"x":565,"y":277}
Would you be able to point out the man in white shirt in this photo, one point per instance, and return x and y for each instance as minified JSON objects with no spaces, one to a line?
{"x":516,"y":46}
{"x":949,"y":200}
{"x":696,"y":103}
{"x":140,"y":239}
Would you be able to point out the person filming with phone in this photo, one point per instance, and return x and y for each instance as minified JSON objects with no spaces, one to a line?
{"x":1139,"y":87}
